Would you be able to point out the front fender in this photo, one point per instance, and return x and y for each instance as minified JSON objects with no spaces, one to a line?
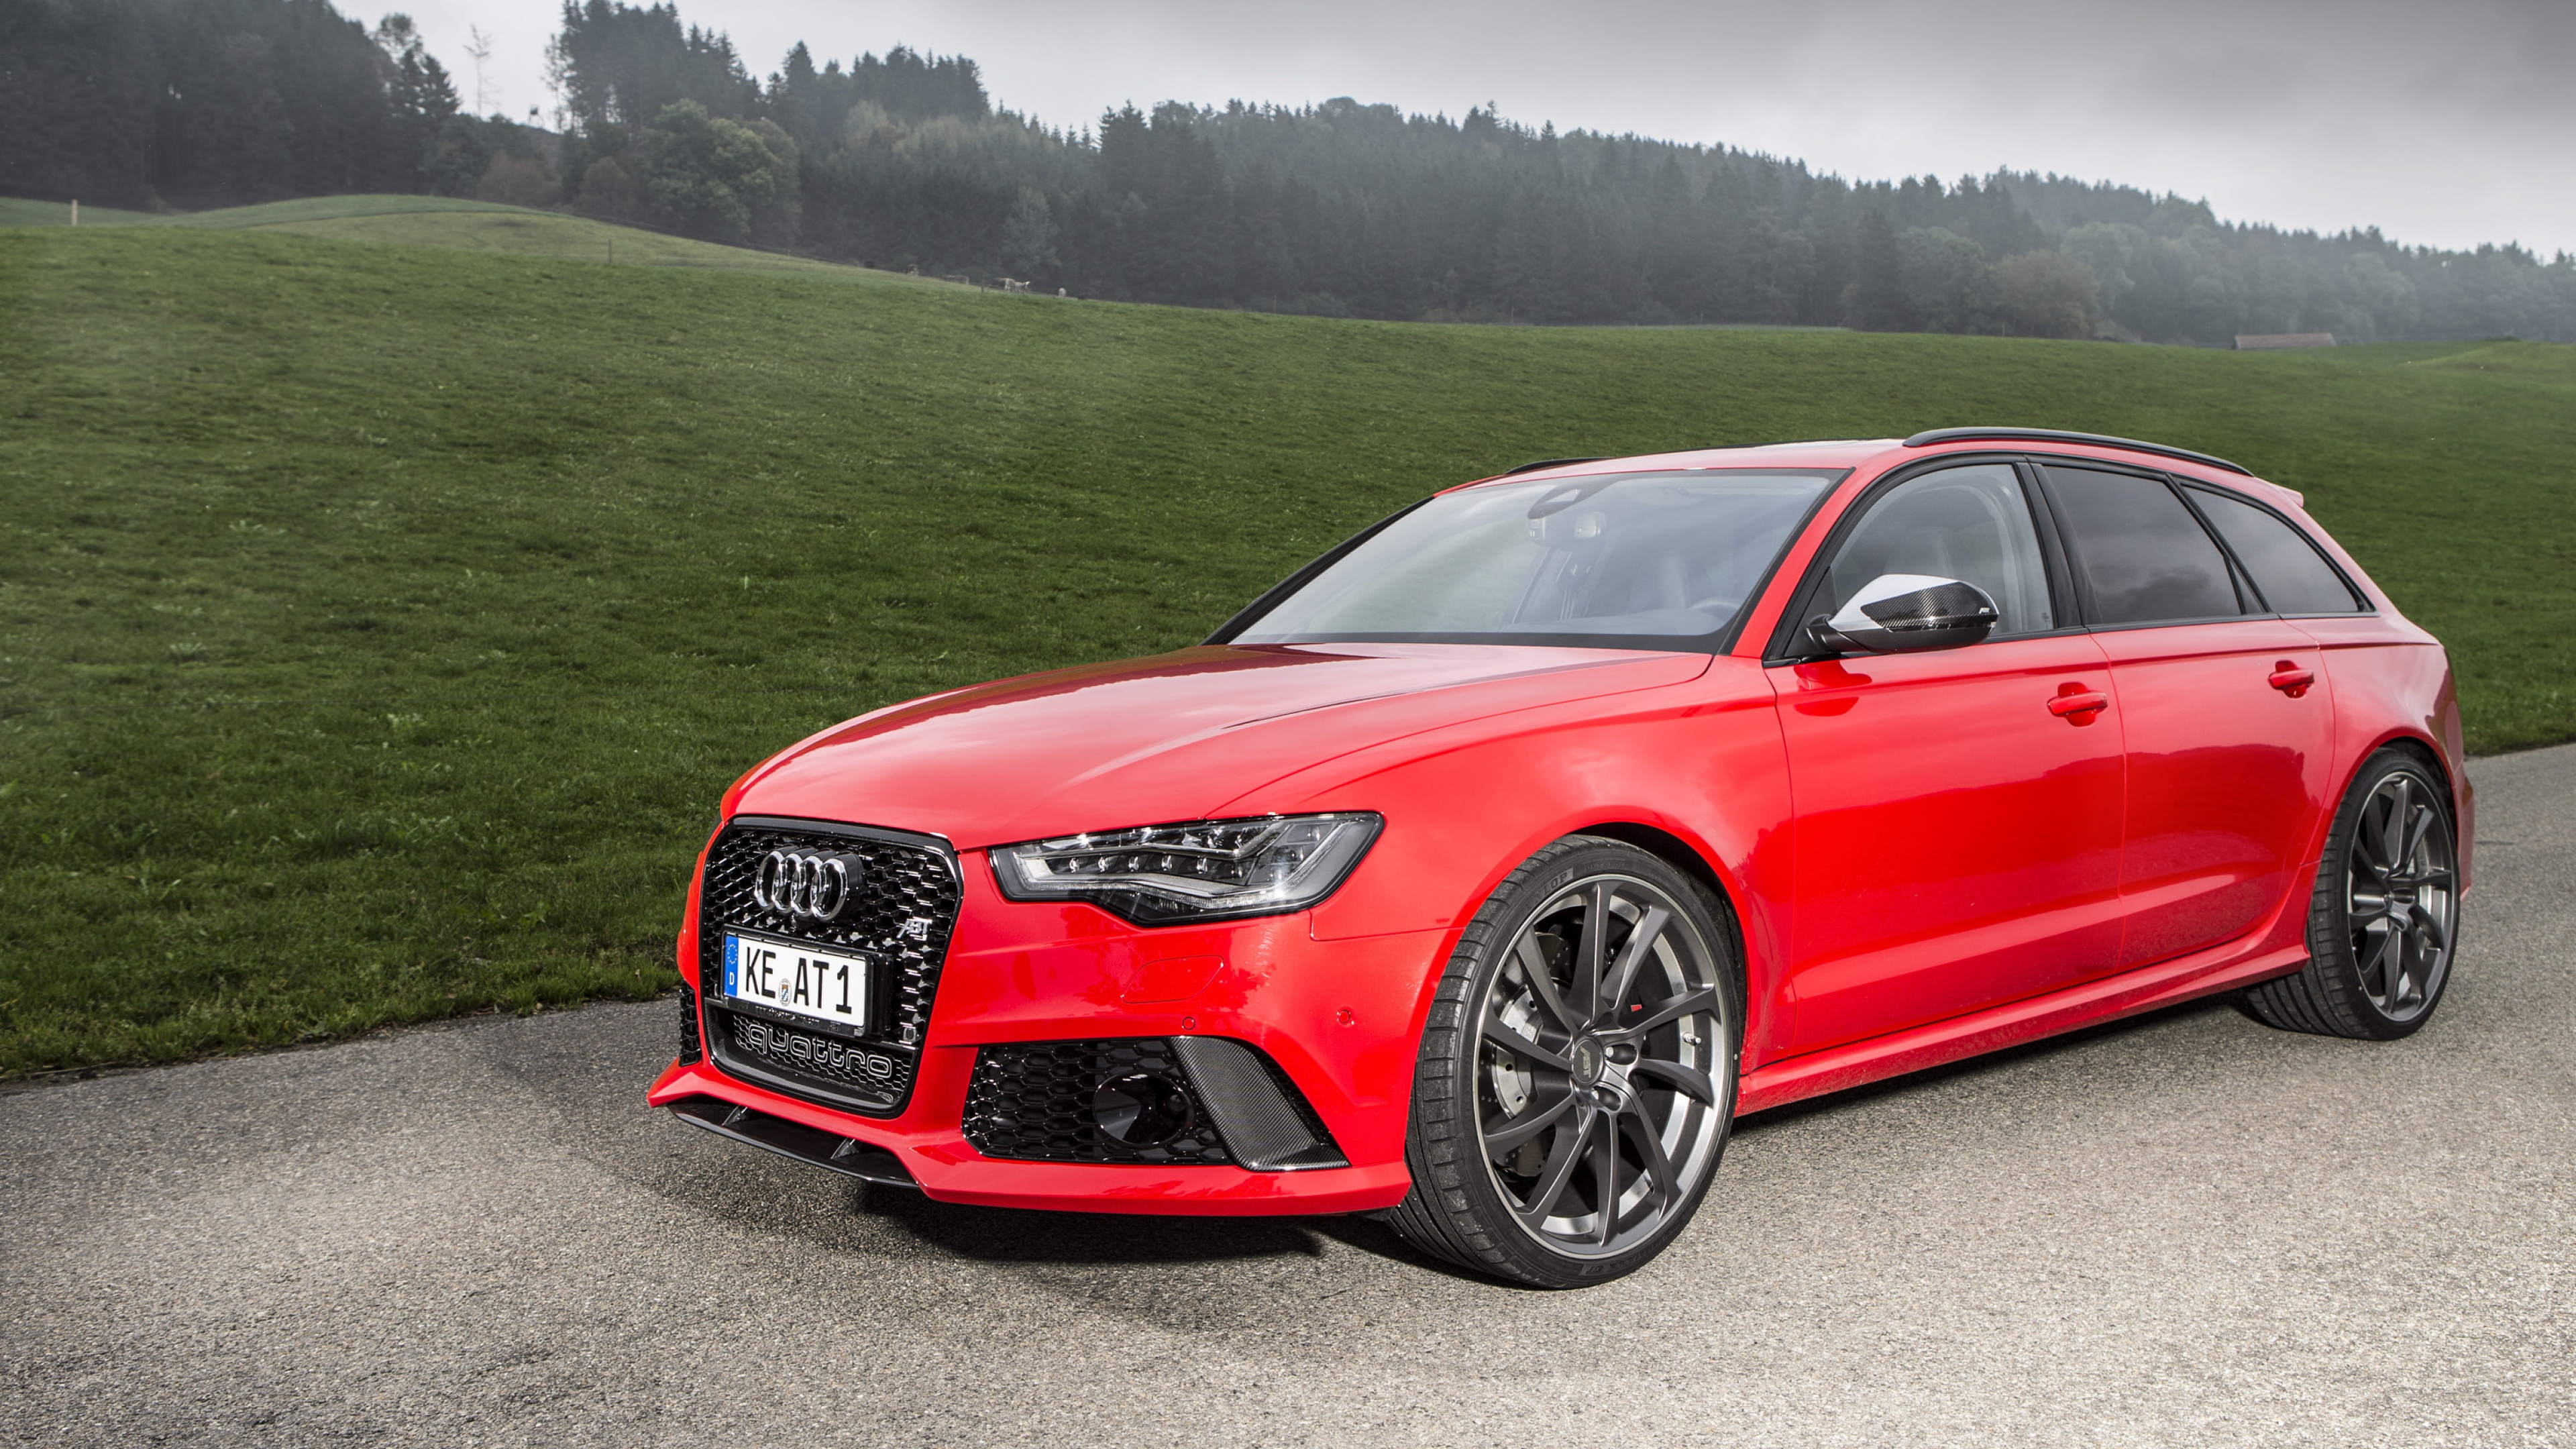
{"x":1702,"y":762}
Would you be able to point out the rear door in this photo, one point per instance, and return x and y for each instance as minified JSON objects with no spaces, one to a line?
{"x":2224,"y":709}
{"x":1957,"y":832}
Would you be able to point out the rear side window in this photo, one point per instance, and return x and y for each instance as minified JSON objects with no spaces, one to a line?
{"x":2287,"y":569}
{"x":2147,"y":559}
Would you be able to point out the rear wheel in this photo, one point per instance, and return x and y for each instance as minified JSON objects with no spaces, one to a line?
{"x":1577,"y":1075}
{"x":2384,"y":921}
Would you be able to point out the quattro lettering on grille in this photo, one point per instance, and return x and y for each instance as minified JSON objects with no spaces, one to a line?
{"x":819,"y":1052}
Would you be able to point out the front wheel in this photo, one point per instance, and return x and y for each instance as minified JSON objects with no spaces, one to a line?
{"x":2384,"y":922}
{"x":1577,"y":1075}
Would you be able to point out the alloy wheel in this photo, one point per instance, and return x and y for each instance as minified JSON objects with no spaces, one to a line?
{"x":2401,"y":896}
{"x":1600,"y":1104}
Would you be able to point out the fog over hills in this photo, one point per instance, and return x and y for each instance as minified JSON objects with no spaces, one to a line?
{"x":1341,"y":208}
{"x":2433,"y":122}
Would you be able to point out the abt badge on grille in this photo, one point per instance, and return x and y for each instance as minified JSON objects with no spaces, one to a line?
{"x":808,"y":885}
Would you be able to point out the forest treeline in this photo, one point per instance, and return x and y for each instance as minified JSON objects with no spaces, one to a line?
{"x":1338,"y":209}
{"x":204,"y":103}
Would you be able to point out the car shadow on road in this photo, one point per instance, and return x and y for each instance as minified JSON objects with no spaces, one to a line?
{"x":681,"y":1167}
{"x":1021,"y":1235}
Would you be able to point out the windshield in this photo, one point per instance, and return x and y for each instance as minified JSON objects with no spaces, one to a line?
{"x":1639,"y":560}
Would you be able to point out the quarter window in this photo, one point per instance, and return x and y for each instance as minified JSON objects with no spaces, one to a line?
{"x":2287,"y":569}
{"x":1970,"y":524}
{"x":2146,"y":557}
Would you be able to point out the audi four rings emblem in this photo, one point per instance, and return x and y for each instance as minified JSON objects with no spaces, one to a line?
{"x":815,"y":887}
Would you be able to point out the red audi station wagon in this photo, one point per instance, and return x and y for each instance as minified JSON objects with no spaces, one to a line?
{"x":1483,"y":872}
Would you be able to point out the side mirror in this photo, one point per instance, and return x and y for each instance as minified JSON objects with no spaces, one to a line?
{"x":1907,"y":614}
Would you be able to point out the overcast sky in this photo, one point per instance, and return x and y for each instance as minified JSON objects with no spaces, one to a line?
{"x":2447,"y":124}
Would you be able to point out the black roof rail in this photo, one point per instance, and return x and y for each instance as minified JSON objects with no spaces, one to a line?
{"x":2048,"y":435}
{"x":1543,"y":463}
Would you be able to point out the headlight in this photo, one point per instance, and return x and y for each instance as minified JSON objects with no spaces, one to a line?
{"x":1204,"y":870}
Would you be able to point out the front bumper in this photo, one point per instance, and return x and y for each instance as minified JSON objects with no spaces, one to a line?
{"x":1340,"y":1018}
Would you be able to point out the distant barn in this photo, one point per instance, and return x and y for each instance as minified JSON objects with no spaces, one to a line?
{"x":2263,"y":341}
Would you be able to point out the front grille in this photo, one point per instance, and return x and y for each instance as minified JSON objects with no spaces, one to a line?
{"x":1033,"y":1102}
{"x":899,"y":919}
{"x":690,"y":1048}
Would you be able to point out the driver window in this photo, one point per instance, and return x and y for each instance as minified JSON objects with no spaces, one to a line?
{"x":1970,"y":524}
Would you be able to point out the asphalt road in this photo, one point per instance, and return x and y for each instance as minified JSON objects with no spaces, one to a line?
{"x":2186,"y":1230}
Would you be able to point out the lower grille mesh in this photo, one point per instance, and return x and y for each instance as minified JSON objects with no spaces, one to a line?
{"x":850,"y":1071}
{"x":1034,"y":1103}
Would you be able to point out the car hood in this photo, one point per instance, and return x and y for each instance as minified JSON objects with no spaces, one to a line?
{"x":1171,"y":737}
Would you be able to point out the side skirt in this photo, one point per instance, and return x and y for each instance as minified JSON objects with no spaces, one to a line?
{"x":1857,"y":1064}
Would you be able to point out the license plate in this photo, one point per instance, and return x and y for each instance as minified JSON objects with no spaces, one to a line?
{"x":797,"y":979}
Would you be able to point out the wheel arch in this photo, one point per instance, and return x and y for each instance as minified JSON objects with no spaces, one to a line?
{"x":1681,"y":855}
{"x":2422,"y":749}
{"x":2426,"y":751}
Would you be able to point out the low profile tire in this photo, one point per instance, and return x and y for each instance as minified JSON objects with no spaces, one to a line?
{"x":2384,"y":922}
{"x":1577,"y":1075}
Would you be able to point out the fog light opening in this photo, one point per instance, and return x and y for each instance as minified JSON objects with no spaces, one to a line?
{"x":1142,"y":1110}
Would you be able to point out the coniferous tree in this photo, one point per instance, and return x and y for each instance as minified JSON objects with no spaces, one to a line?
{"x":422,"y":99}
{"x":1877,"y":299}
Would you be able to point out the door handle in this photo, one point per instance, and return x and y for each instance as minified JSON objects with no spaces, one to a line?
{"x":2079,"y":706}
{"x":2291,"y":680}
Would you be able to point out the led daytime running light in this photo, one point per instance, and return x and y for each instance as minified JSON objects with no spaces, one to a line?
{"x":1192,"y":871}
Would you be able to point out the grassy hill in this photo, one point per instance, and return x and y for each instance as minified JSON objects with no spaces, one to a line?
{"x":15,"y":211}
{"x":378,"y":624}
{"x":446,"y":222}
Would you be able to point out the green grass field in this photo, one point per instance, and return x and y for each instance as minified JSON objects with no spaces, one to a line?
{"x":446,"y":222}
{"x":17,"y":212}
{"x":379,"y":623}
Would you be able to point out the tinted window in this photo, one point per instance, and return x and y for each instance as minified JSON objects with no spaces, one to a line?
{"x":2293,"y":577}
{"x":1643,"y":559}
{"x":1961,"y":523}
{"x":2149,"y":561}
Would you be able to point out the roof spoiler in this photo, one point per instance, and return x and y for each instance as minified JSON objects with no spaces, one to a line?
{"x":1543,"y":463}
{"x":2047,"y":435}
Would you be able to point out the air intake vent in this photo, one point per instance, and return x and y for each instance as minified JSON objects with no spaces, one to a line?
{"x":1201,"y":1101}
{"x":1040,"y":1103}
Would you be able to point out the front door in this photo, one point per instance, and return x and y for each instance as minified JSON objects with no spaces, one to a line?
{"x":1957,"y":824}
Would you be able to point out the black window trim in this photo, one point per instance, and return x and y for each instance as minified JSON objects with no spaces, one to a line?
{"x":2237,"y":578}
{"x":1714,"y":644}
{"x":1789,"y":643}
{"x":2362,"y":605}
{"x":2070,"y":592}
{"x":2065,"y":602}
